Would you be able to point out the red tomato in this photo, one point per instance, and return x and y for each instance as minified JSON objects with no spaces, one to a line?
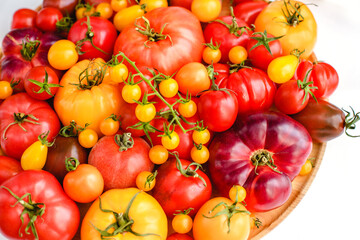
{"x":229,"y":35}
{"x":218,"y":109}
{"x":181,"y":41}
{"x":65,"y":6}
{"x":9,"y":167}
{"x":249,"y":10}
{"x":120,"y":159}
{"x":253,"y":89}
{"x":258,"y":55}
{"x":100,"y":31}
{"x":179,"y":236}
{"x":323,"y":76}
{"x":46,"y":84}
{"x":23,"y":18}
{"x":47,"y":18}
{"x":181,"y":3}
{"x":60,"y":216}
{"x":175,"y":191}
{"x":223,"y":73}
{"x":23,"y":119}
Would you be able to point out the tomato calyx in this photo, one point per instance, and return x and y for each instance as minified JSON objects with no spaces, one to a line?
{"x":92,"y":76}
{"x":350,"y":121}
{"x":228,"y":211}
{"x":188,"y":172}
{"x":32,"y":209}
{"x":212,"y":46}
{"x":123,"y":222}
{"x":292,"y":13}
{"x":234,"y":27}
{"x":20,"y":118}
{"x":184,"y":212}
{"x":43,"y":139}
{"x":124,"y":141}
{"x":72,"y":130}
{"x":64,"y":24}
{"x":147,"y":128}
{"x":150,"y":32}
{"x":263,"y":157}
{"x":89,"y":35}
{"x":44,"y":86}
{"x":263,"y":40}
{"x":149,"y":179}
{"x":29,"y":48}
{"x":71,"y":164}
{"x":304,"y":85}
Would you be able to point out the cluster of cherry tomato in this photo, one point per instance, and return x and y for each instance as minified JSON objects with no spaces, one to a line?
{"x":98,"y":97}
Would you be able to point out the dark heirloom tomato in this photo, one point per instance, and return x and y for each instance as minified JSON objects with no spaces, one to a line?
{"x":101,"y":33}
{"x":23,"y":119}
{"x":248,"y":11}
{"x":234,"y":33}
{"x":63,"y":148}
{"x":174,"y":191}
{"x":9,"y":167}
{"x":323,"y":75}
{"x":177,"y":42}
{"x":263,"y":152}
{"x":323,"y":120}
{"x":56,"y":216}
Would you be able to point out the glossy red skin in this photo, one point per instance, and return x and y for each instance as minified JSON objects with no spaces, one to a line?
{"x":235,"y":2}
{"x":119,"y":169}
{"x":9,"y":167}
{"x":219,"y":33}
{"x":260,"y":57}
{"x":248,"y":11}
{"x":179,"y":236}
{"x":17,"y":140}
{"x":61,"y":218}
{"x":289,"y":98}
{"x":323,"y":120}
{"x":223,"y":73}
{"x":63,"y":148}
{"x":13,"y":65}
{"x":47,"y":18}
{"x":65,"y":6}
{"x":176,"y":192}
{"x":253,"y":88}
{"x":323,"y":75}
{"x":104,"y":37}
{"x":182,"y":3}
{"x":231,"y":151}
{"x":218,"y":109}
{"x":167,"y":56}
{"x":38,"y":74}
{"x":23,"y":18}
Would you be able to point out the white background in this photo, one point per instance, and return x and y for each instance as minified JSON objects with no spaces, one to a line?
{"x":331,"y":207}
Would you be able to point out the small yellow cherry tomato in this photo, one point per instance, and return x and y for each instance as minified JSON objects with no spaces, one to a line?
{"x":127,"y":16}
{"x":199,"y":154}
{"x":146,"y":112}
{"x":152,"y":4}
{"x":170,"y":142}
{"x":182,"y":223}
{"x":239,"y":191}
{"x":158,"y":154}
{"x":282,"y":69}
{"x":5,"y":89}
{"x":62,"y":54}
{"x":206,"y":10}
{"x":168,"y":88}
{"x":105,"y":10}
{"x":119,"y":73}
{"x":117,"y":5}
{"x":84,"y":11}
{"x":237,"y":54}
{"x":306,"y":168}
{"x":188,"y":109}
{"x":88,"y":138}
{"x":146,"y":180}
{"x":131,"y":93}
{"x":202,"y":136}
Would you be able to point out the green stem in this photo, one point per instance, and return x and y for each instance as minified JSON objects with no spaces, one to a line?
{"x":71,"y":164}
{"x":124,"y":141}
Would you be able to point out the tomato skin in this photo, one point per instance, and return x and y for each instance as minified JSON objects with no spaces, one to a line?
{"x":221,"y":34}
{"x":65,"y":6}
{"x":177,"y":192}
{"x":88,"y":138}
{"x":206,"y":10}
{"x":34,"y":157}
{"x":127,"y":16}
{"x":323,"y":120}
{"x":323,"y":76}
{"x":282,"y":69}
{"x":193,"y":78}
{"x":23,"y":18}
{"x":62,"y":55}
{"x":223,"y":73}
{"x":9,"y":167}
{"x":126,"y":164}
{"x":252,"y":135}
{"x":301,"y":36}
{"x":47,"y":18}
{"x":166,"y":56}
{"x":61,"y":218}
{"x":218,"y":109}
{"x":145,"y":211}
{"x":249,"y":10}
{"x":216,"y":228}
{"x":179,"y":236}
{"x":254,"y":90}
{"x":182,"y":3}
{"x":17,"y":140}
{"x":104,"y":37}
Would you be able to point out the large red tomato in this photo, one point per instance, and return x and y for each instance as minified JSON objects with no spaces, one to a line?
{"x":9,"y":167}
{"x":173,"y":38}
{"x":120,"y":159}
{"x":23,"y":119}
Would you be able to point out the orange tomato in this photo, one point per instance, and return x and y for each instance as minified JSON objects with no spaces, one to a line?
{"x":193,"y":78}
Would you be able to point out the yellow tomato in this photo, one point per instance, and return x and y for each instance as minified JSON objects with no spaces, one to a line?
{"x":132,"y":205}
{"x":127,"y":16}
{"x":34,"y":157}
{"x":306,"y":168}
{"x":87,"y":104}
{"x":83,"y":12}
{"x":282,"y":69}
{"x":5,"y":89}
{"x":117,"y":5}
{"x":281,"y":18}
{"x":104,"y":9}
{"x":206,"y":10}
{"x":119,"y":73}
{"x":238,"y":192}
{"x":62,"y":55}
{"x":152,"y":4}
